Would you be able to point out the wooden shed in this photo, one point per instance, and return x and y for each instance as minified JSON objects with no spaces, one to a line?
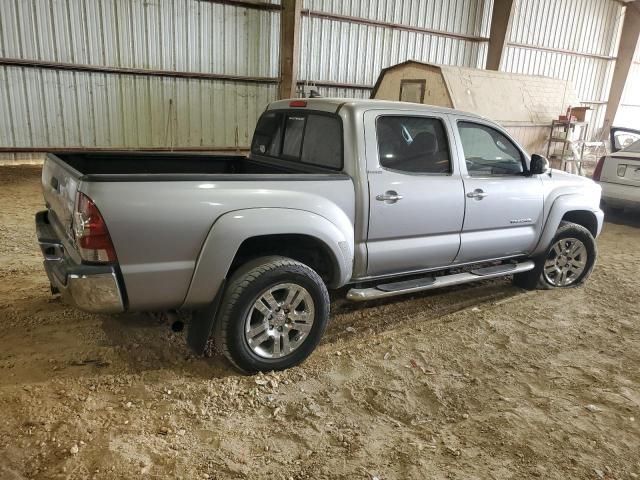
{"x":523,"y":104}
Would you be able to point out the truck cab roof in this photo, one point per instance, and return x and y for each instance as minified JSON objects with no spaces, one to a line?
{"x":333,"y":104}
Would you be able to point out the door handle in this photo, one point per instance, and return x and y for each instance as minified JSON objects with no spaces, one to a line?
{"x":478,"y":194}
{"x":390,"y":196}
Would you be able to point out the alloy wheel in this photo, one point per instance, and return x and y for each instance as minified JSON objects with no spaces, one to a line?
{"x":280,"y":320}
{"x":566,"y":262}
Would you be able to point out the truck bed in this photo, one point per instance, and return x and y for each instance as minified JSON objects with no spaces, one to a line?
{"x":160,"y":208}
{"x":115,"y":165}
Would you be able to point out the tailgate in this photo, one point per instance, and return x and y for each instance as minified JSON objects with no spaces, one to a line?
{"x":622,"y":169}
{"x":59,"y":185}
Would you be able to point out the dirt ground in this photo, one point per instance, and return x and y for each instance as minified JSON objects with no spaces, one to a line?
{"x":485,"y":381}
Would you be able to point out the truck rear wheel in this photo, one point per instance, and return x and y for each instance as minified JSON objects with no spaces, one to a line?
{"x":567,"y":262}
{"x":273,"y":314}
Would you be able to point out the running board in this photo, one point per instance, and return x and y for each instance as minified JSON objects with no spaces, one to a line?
{"x":505,"y":269}
{"x":430,"y":283}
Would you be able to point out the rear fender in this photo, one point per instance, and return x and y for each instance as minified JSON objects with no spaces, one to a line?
{"x":233,"y":228}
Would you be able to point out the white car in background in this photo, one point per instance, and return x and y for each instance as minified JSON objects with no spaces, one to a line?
{"x":619,"y":172}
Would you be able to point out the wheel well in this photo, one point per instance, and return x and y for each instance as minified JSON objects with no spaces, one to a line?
{"x":306,"y":249}
{"x":583,"y":217}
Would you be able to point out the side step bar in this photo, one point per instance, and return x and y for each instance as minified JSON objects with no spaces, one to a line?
{"x":430,"y":283}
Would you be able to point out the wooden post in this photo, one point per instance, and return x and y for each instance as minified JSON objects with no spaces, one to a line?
{"x":500,"y":23}
{"x":626,"y":49}
{"x":289,"y":51}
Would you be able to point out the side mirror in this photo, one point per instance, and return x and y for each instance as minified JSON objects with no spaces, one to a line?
{"x":538,"y":165}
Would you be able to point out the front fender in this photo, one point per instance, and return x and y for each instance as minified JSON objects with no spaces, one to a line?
{"x":230,"y":230}
{"x":561,"y":206}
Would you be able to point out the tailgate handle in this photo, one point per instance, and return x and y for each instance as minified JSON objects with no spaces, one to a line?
{"x":55,"y":184}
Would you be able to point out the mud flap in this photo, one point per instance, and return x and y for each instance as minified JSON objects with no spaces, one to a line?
{"x":202,"y":322}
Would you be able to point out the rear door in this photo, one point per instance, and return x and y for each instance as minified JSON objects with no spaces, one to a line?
{"x":503,"y":206}
{"x":416,"y":197}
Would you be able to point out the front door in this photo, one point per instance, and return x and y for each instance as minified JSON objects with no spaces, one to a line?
{"x":416,"y":197}
{"x":503,"y":206}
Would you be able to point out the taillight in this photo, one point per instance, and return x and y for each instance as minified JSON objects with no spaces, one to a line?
{"x":298,"y":103}
{"x":92,"y":237}
{"x":598,"y":170}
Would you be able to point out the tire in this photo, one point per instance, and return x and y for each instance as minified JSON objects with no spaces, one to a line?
{"x":568,"y":232}
{"x":256,"y":326}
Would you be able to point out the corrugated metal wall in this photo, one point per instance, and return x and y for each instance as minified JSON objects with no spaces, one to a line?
{"x":572,"y":39}
{"x":53,"y":107}
{"x":349,"y":42}
{"x":629,"y":110}
{"x":84,"y":109}
{"x":180,"y":35}
{"x":176,"y":98}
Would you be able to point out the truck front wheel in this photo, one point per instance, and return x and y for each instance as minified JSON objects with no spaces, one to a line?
{"x":273,"y":314}
{"x":567,"y":262}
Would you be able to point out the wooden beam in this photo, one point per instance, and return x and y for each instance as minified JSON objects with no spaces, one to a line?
{"x":628,"y":43}
{"x":289,"y":48}
{"x":500,"y":24}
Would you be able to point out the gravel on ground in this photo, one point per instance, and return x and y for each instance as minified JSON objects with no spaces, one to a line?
{"x":485,"y":381}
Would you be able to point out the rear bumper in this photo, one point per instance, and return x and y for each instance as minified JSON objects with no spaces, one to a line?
{"x":92,"y":288}
{"x":616,"y":195}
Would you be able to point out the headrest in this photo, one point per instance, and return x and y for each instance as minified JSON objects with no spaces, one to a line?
{"x":424,"y":143}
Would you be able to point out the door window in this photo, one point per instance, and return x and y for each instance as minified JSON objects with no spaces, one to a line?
{"x":633,"y":147}
{"x":488,"y":151}
{"x":413,"y":144}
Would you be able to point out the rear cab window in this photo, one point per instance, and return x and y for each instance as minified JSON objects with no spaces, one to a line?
{"x":311,"y":138}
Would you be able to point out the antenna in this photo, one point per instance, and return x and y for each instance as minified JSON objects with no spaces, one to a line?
{"x":312,"y":93}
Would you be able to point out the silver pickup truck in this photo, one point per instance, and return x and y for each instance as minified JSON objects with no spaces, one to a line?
{"x":386,"y":198}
